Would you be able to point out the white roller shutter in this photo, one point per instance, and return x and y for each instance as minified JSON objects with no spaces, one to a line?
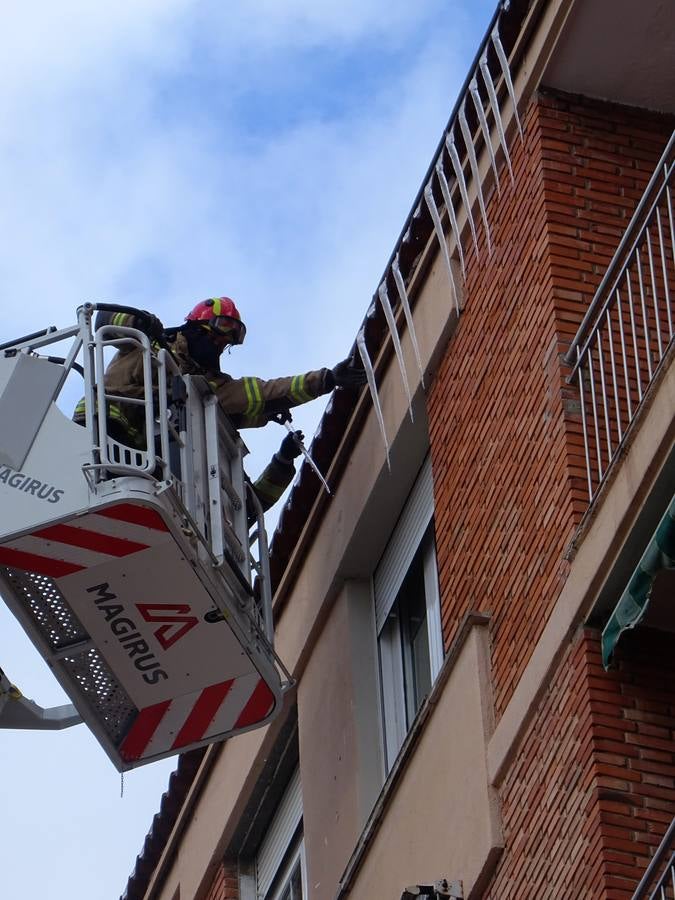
{"x":279,"y":835}
{"x":405,"y":539}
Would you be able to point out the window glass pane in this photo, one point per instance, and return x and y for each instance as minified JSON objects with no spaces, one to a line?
{"x":421,"y":664}
{"x":405,"y":650}
{"x":393,"y":687}
{"x":412,"y":611}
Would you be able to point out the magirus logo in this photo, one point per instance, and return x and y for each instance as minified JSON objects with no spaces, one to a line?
{"x":29,"y":485}
{"x":174,"y":620}
{"x":126,"y":632}
{"x":175,"y":616}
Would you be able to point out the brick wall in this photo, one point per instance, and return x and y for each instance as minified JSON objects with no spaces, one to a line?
{"x":552,"y":842}
{"x":592,"y":790}
{"x":225,"y":884}
{"x":505,"y":428}
{"x":633,"y":712}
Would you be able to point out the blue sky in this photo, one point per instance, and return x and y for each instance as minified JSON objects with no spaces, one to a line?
{"x":158,"y":152}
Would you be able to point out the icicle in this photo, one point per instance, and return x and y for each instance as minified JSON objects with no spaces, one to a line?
{"x":431,"y":203}
{"x":504,"y":63}
{"x":459,"y":174}
{"x":445,"y":190}
{"x":370,"y":375}
{"x":403,"y":296}
{"x":475,"y":96}
{"x":393,"y":330}
{"x":473,"y":162}
{"x":487,"y":78}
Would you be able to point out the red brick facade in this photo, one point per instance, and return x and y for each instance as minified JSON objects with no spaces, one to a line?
{"x":225,"y":884}
{"x":592,"y":789}
{"x":551,"y":822}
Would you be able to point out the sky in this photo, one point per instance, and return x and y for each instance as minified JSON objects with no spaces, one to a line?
{"x":157,"y":152}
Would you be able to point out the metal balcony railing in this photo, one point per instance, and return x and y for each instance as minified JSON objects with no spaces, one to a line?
{"x":653,"y":887}
{"x":628,"y":330}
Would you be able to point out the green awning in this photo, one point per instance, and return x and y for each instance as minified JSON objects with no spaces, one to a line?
{"x":630,"y":610}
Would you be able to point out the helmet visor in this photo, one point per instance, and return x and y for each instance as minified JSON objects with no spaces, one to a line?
{"x":229,"y":329}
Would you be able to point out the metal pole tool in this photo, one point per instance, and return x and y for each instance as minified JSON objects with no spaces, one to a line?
{"x":285,"y":419}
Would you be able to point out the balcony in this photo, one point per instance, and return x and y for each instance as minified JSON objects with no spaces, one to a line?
{"x":626,"y":338}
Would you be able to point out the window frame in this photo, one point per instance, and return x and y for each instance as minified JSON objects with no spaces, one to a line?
{"x":413,"y":533}
{"x":282,"y":845}
{"x":285,"y":872}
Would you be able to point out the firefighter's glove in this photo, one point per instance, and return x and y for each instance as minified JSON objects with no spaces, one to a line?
{"x":290,"y":446}
{"x":149,"y":324}
{"x":348,"y":374}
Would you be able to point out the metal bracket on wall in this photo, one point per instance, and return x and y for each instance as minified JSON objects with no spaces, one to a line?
{"x":439,"y":890}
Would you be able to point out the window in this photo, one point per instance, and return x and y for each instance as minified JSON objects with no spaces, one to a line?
{"x":407,"y":613}
{"x":291,"y":880}
{"x":280,"y":870}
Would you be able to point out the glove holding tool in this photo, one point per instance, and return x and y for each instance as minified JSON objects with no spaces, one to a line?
{"x":284,"y":418}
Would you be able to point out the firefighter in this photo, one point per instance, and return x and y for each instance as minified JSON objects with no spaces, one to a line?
{"x":210,"y":327}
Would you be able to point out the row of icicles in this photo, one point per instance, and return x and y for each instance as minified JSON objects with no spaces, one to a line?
{"x":458,"y":172}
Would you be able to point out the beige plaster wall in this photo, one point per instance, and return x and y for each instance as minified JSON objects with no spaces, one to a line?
{"x":442,"y":819}
{"x":329,"y":754}
{"x":190,"y":861}
{"x":341,"y":761}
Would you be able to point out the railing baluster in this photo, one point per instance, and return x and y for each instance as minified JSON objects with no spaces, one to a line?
{"x":645,"y":324}
{"x":584,"y":425}
{"x":603,"y":385}
{"x":614,"y":378}
{"x":670,"y":219}
{"x":629,"y":404}
{"x":598,"y":449}
{"x":636,"y":351}
{"x":669,"y":204}
{"x":655,"y":298}
{"x":664,"y":269}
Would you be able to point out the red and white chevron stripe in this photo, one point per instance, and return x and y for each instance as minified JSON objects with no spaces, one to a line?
{"x":98,"y":537}
{"x":219,"y":708}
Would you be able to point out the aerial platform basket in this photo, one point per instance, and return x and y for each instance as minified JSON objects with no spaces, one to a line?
{"x":140,"y":574}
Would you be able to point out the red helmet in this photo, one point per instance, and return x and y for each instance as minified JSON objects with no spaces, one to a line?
{"x":221,"y":317}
